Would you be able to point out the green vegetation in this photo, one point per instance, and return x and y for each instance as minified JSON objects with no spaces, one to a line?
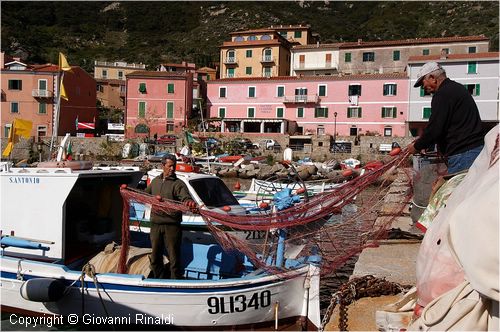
{"x":158,"y":32}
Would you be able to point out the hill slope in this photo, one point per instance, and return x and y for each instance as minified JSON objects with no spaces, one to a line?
{"x":155,"y":32}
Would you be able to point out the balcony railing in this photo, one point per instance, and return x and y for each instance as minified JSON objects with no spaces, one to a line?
{"x":267,"y":58}
{"x":37,"y":93}
{"x":230,"y":61}
{"x":326,"y":66}
{"x":301,"y":99}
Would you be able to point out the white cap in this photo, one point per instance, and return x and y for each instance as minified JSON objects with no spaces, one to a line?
{"x":428,"y":68}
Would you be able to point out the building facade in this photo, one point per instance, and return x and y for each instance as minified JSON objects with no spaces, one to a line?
{"x":478,"y":72}
{"x":157,"y":103}
{"x":30,"y":92}
{"x":347,"y":105}
{"x":110,"y":78}
{"x":368,"y":57}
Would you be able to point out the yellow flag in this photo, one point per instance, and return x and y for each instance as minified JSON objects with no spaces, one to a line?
{"x":63,"y":63}
{"x":19,"y":128}
{"x":63,"y":92}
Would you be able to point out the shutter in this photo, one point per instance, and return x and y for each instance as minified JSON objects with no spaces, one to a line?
{"x":142,"y":87}
{"x":316,"y":112}
{"x":349,"y":112}
{"x":394,"y":112}
{"x":170,"y":110}
{"x":477,"y":90}
{"x":422,"y":92}
{"x":300,"y":112}
{"x":322,"y":90}
{"x":382,"y":113}
{"x":386,"y":89}
{"x":142,"y":109}
{"x":280,"y":112}
{"x":222,"y":113}
{"x":359,"y":112}
{"x":326,"y":112}
{"x":170,"y":88}
{"x":395,"y":86}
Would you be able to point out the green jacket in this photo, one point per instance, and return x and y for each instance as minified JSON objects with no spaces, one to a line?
{"x":170,"y":188}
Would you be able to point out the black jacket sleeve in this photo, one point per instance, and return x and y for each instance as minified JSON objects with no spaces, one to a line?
{"x":437,"y":124}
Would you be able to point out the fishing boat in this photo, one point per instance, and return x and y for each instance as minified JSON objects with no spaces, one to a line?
{"x":56,"y":221}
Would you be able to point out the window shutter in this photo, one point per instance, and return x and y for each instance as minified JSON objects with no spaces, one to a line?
{"x":222,"y":113}
{"x":142,"y":87}
{"x":300,"y":112}
{"x":222,"y":92}
{"x":386,"y":89}
{"x":422,"y":92}
{"x":170,"y":88}
{"x":359,"y":112}
{"x":326,"y":112}
{"x":394,"y":112}
{"x":395,"y":86}
{"x":281,"y":91}
{"x":170,"y":110}
{"x":142,"y":109}
{"x":322,"y":90}
{"x":279,"y":112}
{"x":477,"y":89}
{"x":316,"y":112}
{"x":382,"y":113}
{"x":349,"y":112}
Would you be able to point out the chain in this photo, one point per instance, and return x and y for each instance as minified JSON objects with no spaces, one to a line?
{"x":356,"y":288}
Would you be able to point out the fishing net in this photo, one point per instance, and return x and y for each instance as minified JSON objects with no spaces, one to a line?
{"x":331,"y":224}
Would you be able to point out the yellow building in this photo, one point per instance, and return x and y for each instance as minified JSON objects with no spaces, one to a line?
{"x":296,"y":33}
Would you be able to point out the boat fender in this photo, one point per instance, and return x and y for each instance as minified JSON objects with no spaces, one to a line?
{"x":42,"y":290}
{"x":264,"y":205}
{"x":300,"y":191}
{"x":395,"y":152}
{"x":237,"y":186}
{"x":347,"y":172}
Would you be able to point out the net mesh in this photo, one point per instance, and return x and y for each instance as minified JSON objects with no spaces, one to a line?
{"x":328,"y":224}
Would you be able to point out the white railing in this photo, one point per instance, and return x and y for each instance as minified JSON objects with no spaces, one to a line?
{"x":230,"y":60}
{"x":120,"y":64}
{"x":301,"y":99}
{"x":41,"y":93}
{"x":267,"y":58}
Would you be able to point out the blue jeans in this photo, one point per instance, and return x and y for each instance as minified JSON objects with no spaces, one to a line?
{"x":462,"y":161}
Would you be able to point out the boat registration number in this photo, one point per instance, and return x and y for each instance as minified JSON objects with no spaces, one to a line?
{"x":254,"y":235}
{"x":238,"y":303}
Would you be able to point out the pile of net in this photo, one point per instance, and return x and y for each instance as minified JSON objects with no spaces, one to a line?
{"x":328,"y":224}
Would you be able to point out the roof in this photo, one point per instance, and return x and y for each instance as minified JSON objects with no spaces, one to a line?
{"x":314,"y":78}
{"x":454,"y":57}
{"x":290,"y":27}
{"x":145,"y":73}
{"x":414,"y":41}
{"x":206,"y":70}
{"x":110,"y":81}
{"x":248,"y":43}
{"x":179,"y":65}
{"x":246,"y":32}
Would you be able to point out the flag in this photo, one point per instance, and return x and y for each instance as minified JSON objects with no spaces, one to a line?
{"x":190,"y":138}
{"x":69,"y":152}
{"x":63,"y":63}
{"x":19,"y":128}
{"x":76,"y":123}
{"x":63,"y":92}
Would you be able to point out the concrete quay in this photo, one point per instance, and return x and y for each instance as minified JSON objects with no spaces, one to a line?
{"x":393,"y":259}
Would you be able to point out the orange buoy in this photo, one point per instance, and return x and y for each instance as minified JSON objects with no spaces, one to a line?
{"x":300,"y":191}
{"x":123,"y":186}
{"x":395,"y":152}
{"x":264,"y":205}
{"x":158,"y":197}
{"x":347,"y":172}
{"x":237,"y":185}
{"x":226,"y":208}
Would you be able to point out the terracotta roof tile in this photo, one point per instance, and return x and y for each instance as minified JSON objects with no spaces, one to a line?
{"x":451,"y":57}
{"x":248,"y":43}
{"x":146,"y":73}
{"x":312,"y":78}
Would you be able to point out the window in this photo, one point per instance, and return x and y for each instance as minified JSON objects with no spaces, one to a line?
{"x":170,"y":87}
{"x":396,"y":55}
{"x":231,"y":57}
{"x":265,"y":37}
{"x":99,"y":88}
{"x":390,"y":89}
{"x":283,"y":34}
{"x":328,"y":59}
{"x":267,"y":71}
{"x":15,"y":85}
{"x":252,"y":38}
{"x":170,"y":126}
{"x":445,"y":51}
{"x":354,"y":112}
{"x":142,"y":87}
{"x":322,"y":90}
{"x":280,"y":91}
{"x":120,"y":75}
{"x":104,"y":73}
{"x":472,"y":49}
{"x":472,"y":68}
{"x":251,"y":112}
{"x":222,"y":112}
{"x":300,"y":94}
{"x":141,"y":129}
{"x":347,"y":57}
{"x":300,"y":112}
{"x":222,"y":92}
{"x":239,"y":39}
{"x":249,"y":53}
{"x":473,"y":89}
{"x":41,"y":131}
{"x":426,"y":112}
{"x":42,"y":85}
{"x":251,"y":92}
{"x":321,"y":112}
{"x":425,"y":51}
{"x":142,"y":109}
{"x":230,"y":72}
{"x":280,"y":112}
{"x":297,"y":34}
{"x":42,"y":108}
{"x":248,"y":70}
{"x":368,"y":56}
{"x":388,"y":131}
{"x":14,"y":107}
{"x":170,"y":109}
{"x":320,"y":130}
{"x":6,"y":130}
{"x":268,"y":55}
{"x":354,"y":90}
{"x":389,"y":112}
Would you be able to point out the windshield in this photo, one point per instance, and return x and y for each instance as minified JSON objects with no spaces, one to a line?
{"x":213,"y":192}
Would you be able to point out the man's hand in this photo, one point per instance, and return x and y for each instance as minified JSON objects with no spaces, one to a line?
{"x":191,"y":205}
{"x":411,"y":148}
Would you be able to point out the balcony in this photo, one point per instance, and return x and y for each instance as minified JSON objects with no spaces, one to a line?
{"x":317,"y":67}
{"x":37,"y":93}
{"x":230,"y":61}
{"x":268,"y":59}
{"x":305,"y":99}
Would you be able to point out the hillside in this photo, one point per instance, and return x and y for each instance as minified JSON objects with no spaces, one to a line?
{"x":155,"y":32}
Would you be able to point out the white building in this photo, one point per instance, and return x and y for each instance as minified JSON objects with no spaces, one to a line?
{"x":479,"y":72}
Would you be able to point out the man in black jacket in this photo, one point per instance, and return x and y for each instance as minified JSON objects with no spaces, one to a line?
{"x":165,"y":228}
{"x":454,"y":124}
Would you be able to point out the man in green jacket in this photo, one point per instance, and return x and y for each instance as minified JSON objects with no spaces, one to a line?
{"x":165,"y":231}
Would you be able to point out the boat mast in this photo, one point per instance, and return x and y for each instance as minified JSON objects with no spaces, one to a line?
{"x":55,"y":126}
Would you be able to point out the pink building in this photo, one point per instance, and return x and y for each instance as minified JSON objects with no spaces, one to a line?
{"x":350,"y":105}
{"x":29,"y":92}
{"x":157,"y":102}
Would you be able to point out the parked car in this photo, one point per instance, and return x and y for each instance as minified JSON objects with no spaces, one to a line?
{"x":209,"y":142}
{"x":167,"y":139}
{"x":268,"y":144}
{"x":242,"y":143}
